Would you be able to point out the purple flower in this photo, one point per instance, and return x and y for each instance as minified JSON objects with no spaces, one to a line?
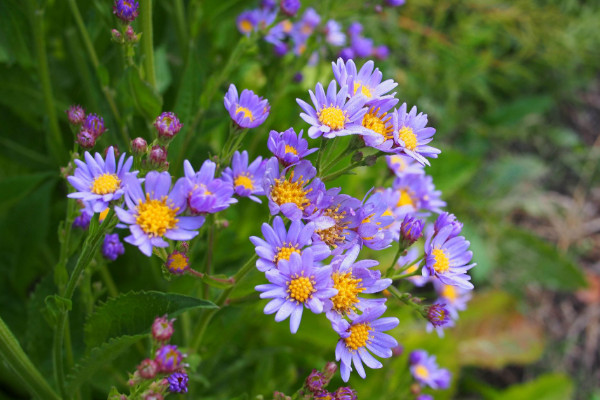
{"x":268,"y":4}
{"x":362,"y":46}
{"x":445,"y":219}
{"x":245,"y":179}
{"x":447,"y":258}
{"x":126,"y":10}
{"x":411,"y":230}
{"x":381,"y":52}
{"x":336,"y":214}
{"x":83,"y":220}
{"x":345,"y":393}
{"x":76,"y":114}
{"x":158,"y":156}
{"x":289,"y":147}
{"x":247,"y":110}
{"x":153,"y":213}
{"x":367,"y":81}
{"x":177,"y":263}
{"x":346,"y":54}
{"x":334,"y":34}
{"x":98,"y":181}
{"x":94,"y":124}
{"x":323,"y":395}
{"x":455,"y":298}
{"x":162,"y":328}
{"x":426,"y":371}
{"x":351,"y":278}
{"x":438,"y":315}
{"x":307,"y":24}
{"x":112,"y":247}
{"x":293,"y":196}
{"x":417,"y":193}
{"x":355,"y":29}
{"x":278,"y":243}
{"x":204,"y":192}
{"x":412,"y":134}
{"x":372,"y":222}
{"x":296,"y":283}
{"x":395,"y":3}
{"x":424,"y":396}
{"x":148,"y":368}
{"x":365,"y":332}
{"x":167,"y":124}
{"x":247,"y":21}
{"x":178,"y":382}
{"x":139,"y":145}
{"x":401,"y":164}
{"x":86,"y":139}
{"x":168,"y":358}
{"x":315,"y":381}
{"x":333,"y":114}
{"x":379,"y":122}
{"x":289,"y":7}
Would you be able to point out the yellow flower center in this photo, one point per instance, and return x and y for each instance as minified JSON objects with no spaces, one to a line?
{"x":300,"y":288}
{"x":348,"y":291}
{"x":243,"y":180}
{"x":204,"y":189}
{"x":334,"y":236}
{"x":290,"y":149}
{"x":333,"y":117}
{"x":359,"y":335}
{"x":421,"y":372}
{"x":449,"y":292}
{"x":409,"y":138}
{"x":105,"y":183}
{"x":245,"y":26}
{"x":411,"y":269}
{"x":178,"y":262}
{"x":363,"y":89}
{"x":284,"y":253}
{"x":287,"y":26}
{"x":378,"y":124}
{"x":103,"y":214}
{"x":286,"y":191}
{"x":154,"y":217}
{"x":247,"y":113}
{"x":441,"y":261}
{"x":405,"y":199}
{"x":399,"y":162}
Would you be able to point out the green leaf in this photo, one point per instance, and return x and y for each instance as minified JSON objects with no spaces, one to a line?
{"x":134,"y":312}
{"x":15,"y":188}
{"x":147,"y":100}
{"x":546,"y":387}
{"x":98,"y":358}
{"x":452,"y":170}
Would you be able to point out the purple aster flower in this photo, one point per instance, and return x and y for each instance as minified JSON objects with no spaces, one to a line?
{"x":94,"y":124}
{"x":355,"y":29}
{"x":247,"y":110}
{"x":289,"y":147}
{"x":410,"y":230}
{"x":362,"y":46}
{"x":112,"y":247}
{"x":204,"y":192}
{"x":395,"y":3}
{"x":247,"y":21}
{"x":315,"y":381}
{"x":334,"y":34}
{"x":167,"y":124}
{"x":153,"y":213}
{"x":178,"y":382}
{"x":345,"y":393}
{"x":336,"y":214}
{"x":351,"y":278}
{"x":98,"y":181}
{"x":367,"y":81}
{"x":296,"y":283}
{"x":410,"y":263}
{"x":426,"y":371}
{"x":76,"y":114}
{"x":299,"y":43}
{"x":162,"y":328}
{"x":177,"y":263}
{"x":126,"y":10}
{"x":245,"y":179}
{"x":455,"y":298}
{"x":277,"y":34}
{"x":401,"y":164}
{"x":346,"y":54}
{"x":168,"y":358}
{"x":289,"y":7}
{"x":445,"y":219}
{"x":307,"y":24}
{"x":372,"y":222}
{"x":438,"y":315}
{"x":86,"y":139}
{"x":365,"y":332}
{"x":424,"y":397}
{"x":412,"y":134}
{"x":333,"y":114}
{"x":379,"y":122}
{"x":447,"y":258}
{"x":148,"y":369}
{"x":381,"y":52}
{"x":268,"y":4}
{"x":278,"y":243}
{"x":417,"y":193}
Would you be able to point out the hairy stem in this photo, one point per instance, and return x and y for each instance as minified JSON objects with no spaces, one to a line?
{"x":148,"y":41}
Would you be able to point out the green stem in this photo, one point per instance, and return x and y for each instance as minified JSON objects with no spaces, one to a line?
{"x":108,"y":280}
{"x":406,"y":298}
{"x":148,"y":41}
{"x":207,"y":315}
{"x":12,"y":353}
{"x":342,"y":171}
{"x":182,"y":31}
{"x":54,"y":138}
{"x":324,"y":143}
{"x":397,"y":256}
{"x":209,"y":253}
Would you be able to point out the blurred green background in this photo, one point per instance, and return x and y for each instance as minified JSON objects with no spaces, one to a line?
{"x":513,"y":89}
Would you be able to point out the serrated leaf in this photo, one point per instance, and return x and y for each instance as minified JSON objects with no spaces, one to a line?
{"x":133,"y":313}
{"x":97,"y":358}
{"x":147,"y":100}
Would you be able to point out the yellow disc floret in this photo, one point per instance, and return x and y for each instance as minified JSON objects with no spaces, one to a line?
{"x":363,"y":89}
{"x":284,"y":253}
{"x":449,"y":292}
{"x":290,"y":149}
{"x":441,"y":261}
{"x":333,"y":117}
{"x":421,"y":372}
{"x":243,"y":180}
{"x":247,"y":113}
{"x":246,"y":26}
{"x":286,"y":191}
{"x":105,"y":183}
{"x":178,"y":262}
{"x":348,"y":290}
{"x":300,"y":288}
{"x":378,"y":123}
{"x":103,"y":214}
{"x":409,"y":138}
{"x":405,"y":199}
{"x":154,"y":216}
{"x":334,"y":235}
{"x":359,"y":336}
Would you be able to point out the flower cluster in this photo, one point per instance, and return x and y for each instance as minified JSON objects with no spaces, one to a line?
{"x":87,"y":127}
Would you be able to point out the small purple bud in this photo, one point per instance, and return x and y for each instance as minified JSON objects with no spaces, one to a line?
{"x":82,"y":221}
{"x":345,"y":393}
{"x":168,"y":358}
{"x":438,"y":315}
{"x":112,"y":247}
{"x":356,"y":157}
{"x":298,"y":77}
{"x":346,"y":54}
{"x":289,"y":7}
{"x":178,"y":382}
{"x":411,"y":230}
{"x":381,"y":52}
{"x":315,"y":381}
{"x":162,"y":329}
{"x":158,"y":155}
{"x":378,"y":8}
{"x":148,"y":369}
{"x":280,"y":49}
{"x":167,"y":124}
{"x":397,"y":351}
{"x":370,"y":160}
{"x":94,"y":124}
{"x":86,"y":139}
{"x":139,"y":146}
{"x":355,"y":29}
{"x":446,"y":219}
{"x":76,"y":114}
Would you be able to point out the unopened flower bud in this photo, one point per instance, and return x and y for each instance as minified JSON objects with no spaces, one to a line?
{"x":315,"y":381}
{"x":370,"y":160}
{"x":151,"y":395}
{"x":139,"y":146}
{"x":116,"y":36}
{"x":130,"y":35}
{"x":329,"y":370}
{"x":158,"y":156}
{"x":356,"y":157}
{"x":86,"y":139}
{"x":148,"y":369}
{"x":438,"y":315}
{"x":323,"y":395}
{"x":345,"y":393}
{"x":167,"y":124}
{"x":289,"y":7}
{"x":298,"y":77}
{"x":94,"y":124}
{"x":134,"y":379}
{"x":178,"y":263}
{"x":184,"y":247}
{"x":411,"y":230}
{"x":397,"y":351}
{"x":280,"y":396}
{"x":162,"y":329}
{"x":76,"y":114}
